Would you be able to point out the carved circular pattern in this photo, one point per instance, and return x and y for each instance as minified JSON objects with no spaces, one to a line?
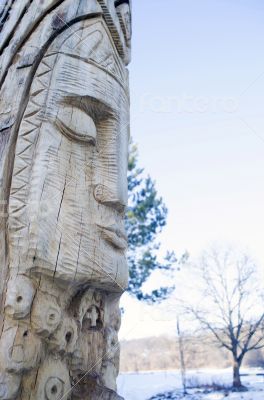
{"x":46,"y":315}
{"x":53,"y":317}
{"x":54,"y":388}
{"x":64,"y":340}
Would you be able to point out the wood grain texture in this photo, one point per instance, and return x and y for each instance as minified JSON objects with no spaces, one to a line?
{"x":64,"y":126}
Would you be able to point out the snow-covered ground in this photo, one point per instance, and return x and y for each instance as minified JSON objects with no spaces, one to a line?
{"x":142,"y":386}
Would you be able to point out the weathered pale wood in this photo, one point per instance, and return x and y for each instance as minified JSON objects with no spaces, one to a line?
{"x":64,"y":131}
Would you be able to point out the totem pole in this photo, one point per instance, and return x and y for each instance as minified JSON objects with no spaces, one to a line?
{"x":64,"y":132}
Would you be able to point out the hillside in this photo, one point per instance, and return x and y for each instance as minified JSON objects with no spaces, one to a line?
{"x":162,"y":353}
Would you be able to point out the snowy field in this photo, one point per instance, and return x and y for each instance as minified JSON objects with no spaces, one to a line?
{"x":145,"y":385}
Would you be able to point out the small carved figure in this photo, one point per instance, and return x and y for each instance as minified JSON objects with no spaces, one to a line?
{"x":19,"y":298}
{"x":20,"y":350}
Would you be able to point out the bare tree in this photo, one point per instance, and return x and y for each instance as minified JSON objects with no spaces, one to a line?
{"x":230,"y":303}
{"x":182,"y":358}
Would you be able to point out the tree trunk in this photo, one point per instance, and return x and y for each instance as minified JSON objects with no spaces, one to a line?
{"x":182,"y":358}
{"x":236,"y":375}
{"x":64,"y":127}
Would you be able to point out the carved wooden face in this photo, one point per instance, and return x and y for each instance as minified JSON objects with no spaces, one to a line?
{"x":69,"y":187}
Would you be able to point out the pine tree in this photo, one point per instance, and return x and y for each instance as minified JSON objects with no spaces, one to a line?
{"x":145,"y":219}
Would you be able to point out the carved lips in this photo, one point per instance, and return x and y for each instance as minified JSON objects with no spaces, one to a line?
{"x":114,"y":235}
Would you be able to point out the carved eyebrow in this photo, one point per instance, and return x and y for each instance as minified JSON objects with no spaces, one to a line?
{"x":93,"y":107}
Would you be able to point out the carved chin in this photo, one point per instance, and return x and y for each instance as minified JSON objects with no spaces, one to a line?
{"x":101,"y":271}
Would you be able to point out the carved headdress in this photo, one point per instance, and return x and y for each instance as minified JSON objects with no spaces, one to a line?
{"x":20,"y":18}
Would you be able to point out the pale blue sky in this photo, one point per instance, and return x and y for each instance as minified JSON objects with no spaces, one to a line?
{"x":197,"y":95}
{"x":197,"y":91}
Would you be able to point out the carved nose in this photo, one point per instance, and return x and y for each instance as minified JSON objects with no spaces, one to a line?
{"x":106,"y":196}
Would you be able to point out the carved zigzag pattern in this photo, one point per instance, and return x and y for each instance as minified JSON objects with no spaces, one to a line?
{"x":26,"y":144}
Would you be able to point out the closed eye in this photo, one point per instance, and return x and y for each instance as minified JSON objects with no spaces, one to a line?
{"x":76,"y":124}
